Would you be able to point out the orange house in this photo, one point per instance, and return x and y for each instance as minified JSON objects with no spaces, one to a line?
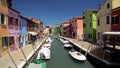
{"x":115,"y":26}
{"x":3,"y":27}
{"x":77,"y":27}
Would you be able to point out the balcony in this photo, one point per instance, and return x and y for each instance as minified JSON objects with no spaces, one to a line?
{"x":13,"y":27}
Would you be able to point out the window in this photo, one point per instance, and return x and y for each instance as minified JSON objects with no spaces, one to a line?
{"x":75,"y":20}
{"x":90,"y":24}
{"x":108,"y":6}
{"x":90,"y":35}
{"x":98,"y":22}
{"x":64,"y":28}
{"x":84,"y":25}
{"x":98,"y":35}
{"x":4,"y":2}
{"x":4,"y":42}
{"x":16,"y":22}
{"x":115,"y":19}
{"x":10,"y":20}
{"x":90,"y":15}
{"x":3,"y":19}
{"x":11,"y":40}
{"x":107,"y":19}
{"x":83,"y":17}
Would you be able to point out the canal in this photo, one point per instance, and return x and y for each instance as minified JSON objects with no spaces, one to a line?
{"x":60,"y":57}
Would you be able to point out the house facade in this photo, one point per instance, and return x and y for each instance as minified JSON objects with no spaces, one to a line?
{"x":57,"y":30}
{"x":13,"y":28}
{"x":65,"y":26}
{"x":77,"y":27}
{"x":47,"y":30}
{"x":32,"y":29}
{"x":23,"y":39}
{"x":89,"y":25}
{"x":115,"y":25}
{"x":104,"y":17}
{"x":3,"y":27}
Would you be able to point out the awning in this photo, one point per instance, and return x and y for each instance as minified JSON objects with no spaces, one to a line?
{"x":33,"y":33}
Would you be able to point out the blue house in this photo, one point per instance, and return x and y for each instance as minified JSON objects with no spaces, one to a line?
{"x":23,"y":32}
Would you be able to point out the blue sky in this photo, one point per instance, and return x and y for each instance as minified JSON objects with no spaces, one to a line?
{"x":52,"y":12}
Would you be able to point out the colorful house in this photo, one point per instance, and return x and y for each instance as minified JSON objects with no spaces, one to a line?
{"x":47,"y":30}
{"x":70,"y":21}
{"x":32,"y":29}
{"x":65,"y":28}
{"x":104,"y":16}
{"x":57,"y":30}
{"x":115,"y":26}
{"x":89,"y":25}
{"x":3,"y":27}
{"x":13,"y":28}
{"x":23,"y":39}
{"x":77,"y":28}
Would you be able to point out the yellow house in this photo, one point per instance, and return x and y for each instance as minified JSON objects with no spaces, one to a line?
{"x":104,"y":16}
{"x":3,"y":27}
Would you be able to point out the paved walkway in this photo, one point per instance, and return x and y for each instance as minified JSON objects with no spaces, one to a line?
{"x":82,"y":44}
{"x":18,"y":57}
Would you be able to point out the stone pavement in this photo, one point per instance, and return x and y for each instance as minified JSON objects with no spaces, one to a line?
{"x":18,"y":57}
{"x":82,"y":44}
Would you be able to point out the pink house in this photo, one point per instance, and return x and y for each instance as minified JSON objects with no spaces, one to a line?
{"x":77,"y":28}
{"x":13,"y":28}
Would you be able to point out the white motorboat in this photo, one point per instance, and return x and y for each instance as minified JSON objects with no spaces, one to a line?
{"x":61,"y":40}
{"x":68,"y":46}
{"x":77,"y":55}
{"x":64,"y":41}
{"x":44,"y":53}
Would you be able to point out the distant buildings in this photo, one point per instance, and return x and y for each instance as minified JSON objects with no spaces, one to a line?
{"x":65,"y":26}
{"x":89,"y":26}
{"x":47,"y":30}
{"x":57,"y":30}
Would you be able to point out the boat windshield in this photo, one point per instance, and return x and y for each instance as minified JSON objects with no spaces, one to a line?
{"x":78,"y":54}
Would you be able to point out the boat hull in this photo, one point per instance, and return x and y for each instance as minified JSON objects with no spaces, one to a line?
{"x":78,"y":56}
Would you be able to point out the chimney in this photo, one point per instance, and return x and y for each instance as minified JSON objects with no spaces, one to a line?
{"x":100,"y":6}
{"x":9,"y":2}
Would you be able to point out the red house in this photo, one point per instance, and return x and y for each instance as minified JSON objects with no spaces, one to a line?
{"x":115,"y":26}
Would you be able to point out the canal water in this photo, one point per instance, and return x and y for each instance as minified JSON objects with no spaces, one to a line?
{"x":60,"y":57}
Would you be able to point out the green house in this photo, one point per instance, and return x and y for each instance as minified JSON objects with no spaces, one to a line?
{"x":89,"y":25}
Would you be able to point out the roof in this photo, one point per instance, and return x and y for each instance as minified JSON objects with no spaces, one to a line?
{"x":118,"y":8}
{"x":93,"y":10}
{"x":78,"y":17}
{"x":14,"y":10}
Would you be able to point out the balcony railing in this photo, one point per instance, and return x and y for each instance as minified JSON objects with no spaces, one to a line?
{"x":13,"y":27}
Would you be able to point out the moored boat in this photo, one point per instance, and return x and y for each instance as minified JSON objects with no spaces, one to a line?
{"x":37,"y":64}
{"x":77,"y":55}
{"x":44,"y":53}
{"x":68,"y":46}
